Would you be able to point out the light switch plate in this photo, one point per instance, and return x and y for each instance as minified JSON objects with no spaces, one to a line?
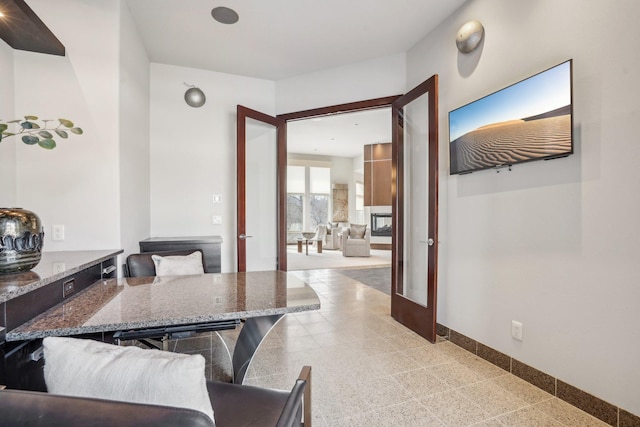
{"x":217,"y":198}
{"x":57,"y":232}
{"x":516,"y":330}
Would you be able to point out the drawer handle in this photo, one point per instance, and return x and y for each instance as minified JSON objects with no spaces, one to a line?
{"x":108,"y":270}
{"x":37,"y":354}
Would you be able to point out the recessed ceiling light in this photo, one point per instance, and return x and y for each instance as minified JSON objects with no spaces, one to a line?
{"x":1,"y":14}
{"x":224,"y":15}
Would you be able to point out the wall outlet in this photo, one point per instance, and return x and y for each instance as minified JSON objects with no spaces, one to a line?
{"x":68,"y":287}
{"x":217,"y":198}
{"x":516,"y":330}
{"x":217,"y":219}
{"x":57,"y":232}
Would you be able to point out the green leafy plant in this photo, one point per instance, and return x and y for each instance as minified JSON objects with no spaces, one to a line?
{"x":42,"y":133}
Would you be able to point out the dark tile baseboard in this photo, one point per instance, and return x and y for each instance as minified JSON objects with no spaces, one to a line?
{"x":605,"y":411}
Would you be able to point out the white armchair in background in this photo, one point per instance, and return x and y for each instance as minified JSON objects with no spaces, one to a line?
{"x":321,"y":233}
{"x":356,"y":241}
{"x":332,"y":238}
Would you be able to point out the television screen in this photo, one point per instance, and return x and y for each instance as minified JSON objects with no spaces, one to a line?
{"x":529,"y":120}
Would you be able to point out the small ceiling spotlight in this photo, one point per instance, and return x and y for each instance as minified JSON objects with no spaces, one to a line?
{"x":469,"y":36}
{"x":194,"y":96}
{"x":224,"y":15}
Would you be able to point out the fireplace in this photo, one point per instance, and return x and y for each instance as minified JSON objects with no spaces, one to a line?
{"x":381,"y":224}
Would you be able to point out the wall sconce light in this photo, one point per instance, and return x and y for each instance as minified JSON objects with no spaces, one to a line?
{"x":194,"y":96}
{"x":469,"y":36}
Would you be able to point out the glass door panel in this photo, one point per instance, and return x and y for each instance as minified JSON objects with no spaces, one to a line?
{"x":261,"y":196}
{"x":415,"y":203}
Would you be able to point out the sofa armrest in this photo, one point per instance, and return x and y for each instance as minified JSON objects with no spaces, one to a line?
{"x":34,"y":409}
{"x":305,"y":375}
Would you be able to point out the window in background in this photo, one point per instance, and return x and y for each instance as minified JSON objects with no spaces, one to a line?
{"x":360,"y":219}
{"x":319,"y":191}
{"x":308,"y":191}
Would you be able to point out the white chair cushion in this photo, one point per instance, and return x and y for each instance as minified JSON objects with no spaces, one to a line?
{"x":358,"y":231}
{"x":87,"y":368}
{"x":178,"y":265}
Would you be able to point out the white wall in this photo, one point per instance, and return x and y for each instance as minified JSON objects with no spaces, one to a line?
{"x":193,"y":151}
{"x":134,"y":136}
{"x":8,"y":189}
{"x":353,"y":82}
{"x":76,"y":184}
{"x":551,"y":244}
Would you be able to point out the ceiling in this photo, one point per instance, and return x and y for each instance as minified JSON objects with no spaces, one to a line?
{"x":277,"y":39}
{"x":341,"y":135}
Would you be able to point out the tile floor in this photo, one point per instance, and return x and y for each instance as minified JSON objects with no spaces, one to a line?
{"x":368,"y":370}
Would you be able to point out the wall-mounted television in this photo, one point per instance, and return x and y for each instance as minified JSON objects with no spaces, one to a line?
{"x":529,"y":120}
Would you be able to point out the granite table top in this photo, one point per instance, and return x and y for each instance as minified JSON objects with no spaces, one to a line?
{"x":144,"y":302}
{"x":53,"y":266}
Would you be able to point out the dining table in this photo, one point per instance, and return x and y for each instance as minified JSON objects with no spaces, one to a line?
{"x":142,"y":307}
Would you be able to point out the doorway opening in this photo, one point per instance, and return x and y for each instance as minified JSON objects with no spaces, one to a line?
{"x":333,"y":140}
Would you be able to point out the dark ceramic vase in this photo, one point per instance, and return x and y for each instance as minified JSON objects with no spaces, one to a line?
{"x":21,"y":239}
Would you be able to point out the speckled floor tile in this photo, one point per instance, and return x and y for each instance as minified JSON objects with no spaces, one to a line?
{"x":407,"y":340}
{"x":491,"y":398}
{"x":306,"y":318}
{"x":453,"y":409}
{"x":521,"y":389}
{"x":421,"y":383}
{"x":391,"y":363}
{"x":482,"y":367}
{"x":319,"y":328}
{"x":382,"y":392}
{"x":489,"y":423}
{"x":568,"y":415}
{"x":428,"y":355}
{"x":410,"y":413}
{"x":528,"y":417}
{"x":455,"y":374}
{"x":370,"y":371}
{"x":453,"y":351}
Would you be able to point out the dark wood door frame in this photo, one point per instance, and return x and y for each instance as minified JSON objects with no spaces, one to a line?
{"x":411,"y":314}
{"x":350,"y":107}
{"x":243,"y":113}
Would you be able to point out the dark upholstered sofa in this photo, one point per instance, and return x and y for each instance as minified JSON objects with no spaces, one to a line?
{"x":234,"y":406}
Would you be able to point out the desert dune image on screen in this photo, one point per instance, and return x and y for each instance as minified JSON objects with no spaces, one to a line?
{"x":526,"y":121}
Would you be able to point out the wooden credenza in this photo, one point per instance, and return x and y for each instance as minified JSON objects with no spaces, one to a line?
{"x":209,"y":245}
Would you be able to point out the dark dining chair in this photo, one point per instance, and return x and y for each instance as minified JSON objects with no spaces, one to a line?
{"x":142,"y":265}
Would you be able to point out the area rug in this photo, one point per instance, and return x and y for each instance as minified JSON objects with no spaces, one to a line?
{"x":333,"y":259}
{"x":378,"y":278}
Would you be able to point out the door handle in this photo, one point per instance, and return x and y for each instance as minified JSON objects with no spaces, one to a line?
{"x":429,"y":242}
{"x":244,"y":237}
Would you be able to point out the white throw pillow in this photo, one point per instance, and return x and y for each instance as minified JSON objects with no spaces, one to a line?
{"x":358,"y":231}
{"x":87,"y":368}
{"x":178,"y":265}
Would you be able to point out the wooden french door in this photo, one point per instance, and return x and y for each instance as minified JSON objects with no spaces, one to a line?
{"x":261,"y":182}
{"x":415,"y":208}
